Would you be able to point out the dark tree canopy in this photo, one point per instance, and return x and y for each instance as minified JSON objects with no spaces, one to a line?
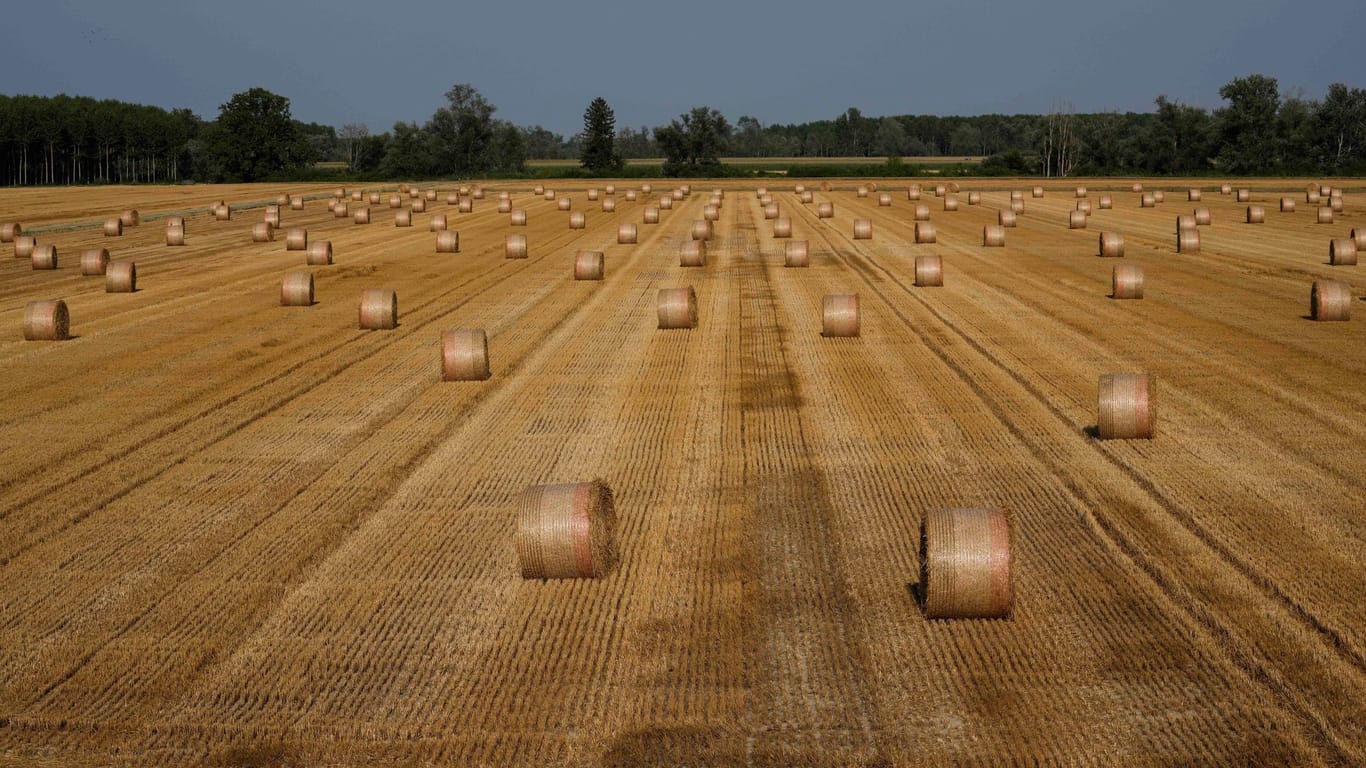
{"x":255,"y":137}
{"x":693,"y":143}
{"x":599,"y":132}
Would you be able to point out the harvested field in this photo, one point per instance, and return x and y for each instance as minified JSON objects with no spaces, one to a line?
{"x":235,"y":533}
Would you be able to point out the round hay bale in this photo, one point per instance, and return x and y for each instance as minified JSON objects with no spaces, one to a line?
{"x":1325,"y":190}
{"x":361,"y":216}
{"x":419,"y":206}
{"x":113,"y":227}
{"x":924,"y":232}
{"x":677,"y":308}
{"x":296,"y":239}
{"x":863,"y":229}
{"x":646,"y":188}
{"x":965,"y":564}
{"x":339,"y":192}
{"x":993,"y":236}
{"x":45,"y":257}
{"x":626,"y":234}
{"x":1127,"y":406}
{"x":438,"y":223}
{"x":130,"y":218}
{"x":1256,"y":214}
{"x":609,"y":204}
{"x":549,"y":194}
{"x":465,"y":355}
{"x":1017,"y":194}
{"x":378,"y":309}
{"x":1005,"y":218}
{"x":46,"y":321}
{"x":1312,"y":198}
{"x":1159,"y":196}
{"x":403,"y":218}
{"x":1202,"y":217}
{"x":175,"y":221}
{"x":357,"y":196}
{"x":677,"y":194}
{"x":514,"y":246}
{"x":319,"y":253}
{"x":175,"y":235}
{"x":403,"y":189}
{"x":666,"y":203}
{"x":1076,"y":220}
{"x":782,"y":227}
{"x":297,"y":290}
{"x":341,"y":212}
{"x":974,"y":198}
{"x":121,"y":277}
{"x":374,"y":198}
{"x":429,"y":195}
{"x":465,"y":190}
{"x":1185,"y":221}
{"x":1358,"y":236}
{"x":806,"y":196}
{"x":1105,"y":202}
{"x":650,"y":215}
{"x":9,"y":231}
{"x":478,"y":193}
{"x":1225,"y":189}
{"x":796,"y":253}
{"x":1147,"y":201}
{"x":1081,"y":192}
{"x":715,"y":202}
{"x":332,"y":205}
{"x":566,"y":531}
{"x":825,"y":211}
{"x":395,"y":201}
{"x":563,"y":204}
{"x":273,"y":216}
{"x":1126,"y":281}
{"x":701,"y":230}
{"x":593,"y":194}
{"x":771,"y":211}
{"x":826,"y":186}
{"x":1111,"y":245}
{"x":1330,"y":300}
{"x":1137,"y":187}
{"x":414,"y":194}
{"x":839,"y":315}
{"x":921,"y":212}
{"x":1325,"y":215}
{"x":94,"y":261}
{"x":1193,"y":195}
{"x":799,"y":188}
{"x":1342,"y":252}
{"x":913,"y":192}
{"x":262,"y":232}
{"x":953,"y":187}
{"x":1017,"y":206}
{"x":929,"y":271}
{"x":452,"y":198}
{"x":861,"y":191}
{"x":1336,"y":204}
{"x":610,"y":189}
{"x":577,"y":220}
{"x":631,"y":195}
{"x":467,"y":206}
{"x":950,"y":203}
{"x":213,"y":207}
{"x":1084,"y":206}
{"x":589,"y":265}
{"x":692,"y":253}
{"x":1037,"y":192}
{"x":1188,"y":241}
{"x":448,"y":241}
{"x":940,"y":190}
{"x":518,"y":218}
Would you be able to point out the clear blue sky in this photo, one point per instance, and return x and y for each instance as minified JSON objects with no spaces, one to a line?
{"x":541,"y":63}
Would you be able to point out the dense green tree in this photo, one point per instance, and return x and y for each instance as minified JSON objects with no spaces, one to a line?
{"x":598,"y":154}
{"x":1340,"y":128}
{"x":257,"y":137}
{"x":460,"y":133}
{"x":693,"y":144}
{"x":408,"y":154}
{"x":1247,"y":126}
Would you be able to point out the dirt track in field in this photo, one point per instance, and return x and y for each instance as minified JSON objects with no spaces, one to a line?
{"x":235,"y":533}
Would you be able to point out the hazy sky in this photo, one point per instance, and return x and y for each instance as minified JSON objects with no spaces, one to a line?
{"x":541,"y":63}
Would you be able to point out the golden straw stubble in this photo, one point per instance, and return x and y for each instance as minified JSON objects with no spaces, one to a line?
{"x":1127,"y":406}
{"x":296,"y":290}
{"x":46,"y":321}
{"x":378,"y":309}
{"x":121,"y":277}
{"x":677,"y":308}
{"x":965,"y":564}
{"x":566,"y":531}
{"x":840,"y":315}
{"x":465,"y":355}
{"x":1330,"y":300}
{"x":589,"y":265}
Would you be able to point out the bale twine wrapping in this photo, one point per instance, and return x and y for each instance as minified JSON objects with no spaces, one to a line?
{"x":1127,"y":406}
{"x":692,"y":253}
{"x":589,"y":265}
{"x":1076,"y":220}
{"x":921,"y":213}
{"x":839,"y":315}
{"x":1137,"y":187}
{"x":1147,"y":201}
{"x":666,"y":203}
{"x":771,"y":211}
{"x":296,"y":239}
{"x":514,"y":246}
{"x":1037,"y":192}
{"x":24,"y":245}
{"x":1256,"y":214}
{"x":1325,"y":215}
{"x":924,"y":232}
{"x":45,"y":257}
{"x":438,"y":223}
{"x":1005,"y":218}
{"x":677,"y":308}
{"x":993,"y":236}
{"x":1185,"y":221}
{"x":175,"y":235}
{"x":46,"y":321}
{"x":94,"y":261}
{"x":1244,"y":195}
{"x":566,"y":531}
{"x":564,"y":204}
{"x":262,"y":232}
{"x":1202,"y":217}
{"x":297,"y":290}
{"x":701,"y":229}
{"x":626,"y":234}
{"x":577,"y":220}
{"x":965,"y":564}
{"x":796,"y":253}
{"x":1225,"y":189}
{"x":825,"y":211}
{"x":609,"y":204}
{"x":1193,"y":195}
{"x":1111,"y":245}
{"x":518,"y":218}
{"x":650,"y":215}
{"x":1105,"y":202}
{"x":1017,"y":206}
{"x":711,"y":213}
{"x":419,"y":206}
{"x":1126,"y":281}
{"x":884,"y":200}
{"x":1188,"y":241}
{"x":319,"y":253}
{"x":974,"y":198}
{"x":9,"y":231}
{"x":130,"y":218}
{"x":1084,"y":206}
{"x":342,"y":212}
{"x":121,"y":277}
{"x":782,"y":227}
{"x":464,"y":355}
{"x":1342,"y":252}
{"x":929,"y":271}
{"x":378,"y":309}
{"x":448,"y":241}
{"x":1330,"y":300}
{"x":113,"y":227}
{"x":863,"y":229}
{"x":362,"y":216}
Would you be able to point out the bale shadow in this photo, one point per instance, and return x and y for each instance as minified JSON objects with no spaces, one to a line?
{"x":1092,"y":431}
